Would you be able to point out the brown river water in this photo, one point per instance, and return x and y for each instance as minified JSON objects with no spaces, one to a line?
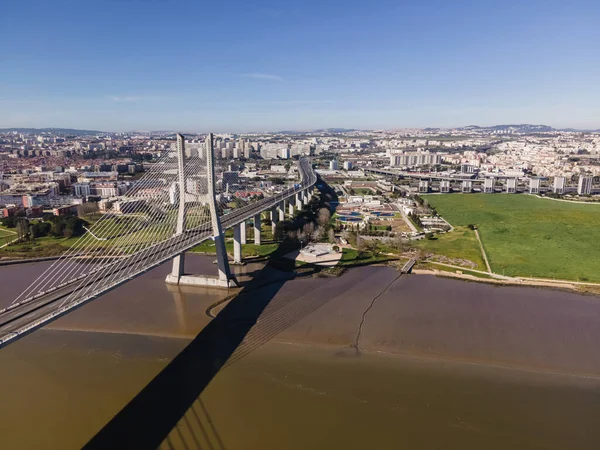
{"x":441,"y":364}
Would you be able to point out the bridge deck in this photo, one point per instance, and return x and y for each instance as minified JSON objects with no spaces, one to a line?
{"x":30,"y":314}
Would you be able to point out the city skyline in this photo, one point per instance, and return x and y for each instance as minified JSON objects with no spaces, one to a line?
{"x":269,"y":66}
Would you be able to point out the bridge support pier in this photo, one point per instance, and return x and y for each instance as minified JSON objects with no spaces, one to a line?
{"x":281,"y":211}
{"x":257,"y":229}
{"x":178,"y":266}
{"x":243,"y":232}
{"x":306,"y":198}
{"x":237,"y":243}
{"x":177,"y":276}
{"x":274,"y":219}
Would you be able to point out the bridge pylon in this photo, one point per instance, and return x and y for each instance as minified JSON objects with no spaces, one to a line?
{"x":177,"y":276}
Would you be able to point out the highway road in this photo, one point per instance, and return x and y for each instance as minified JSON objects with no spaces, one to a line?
{"x":32,"y":313}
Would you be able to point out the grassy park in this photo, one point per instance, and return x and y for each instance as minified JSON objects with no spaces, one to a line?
{"x":461,"y":244}
{"x":6,"y":232}
{"x":523,"y":235}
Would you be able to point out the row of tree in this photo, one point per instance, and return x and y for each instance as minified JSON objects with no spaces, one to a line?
{"x":415,"y":219}
{"x":57,"y":226}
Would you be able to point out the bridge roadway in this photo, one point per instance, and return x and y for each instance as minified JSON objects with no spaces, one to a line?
{"x":423,"y":176}
{"x":32,"y":313}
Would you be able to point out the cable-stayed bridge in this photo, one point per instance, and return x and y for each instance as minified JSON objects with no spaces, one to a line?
{"x":176,"y":205}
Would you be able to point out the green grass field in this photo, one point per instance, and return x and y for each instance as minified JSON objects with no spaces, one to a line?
{"x":6,"y":232}
{"x":459,"y":244}
{"x":351,"y":257}
{"x":208,"y":247}
{"x":525,"y":235}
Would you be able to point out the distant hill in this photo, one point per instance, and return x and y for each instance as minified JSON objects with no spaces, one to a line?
{"x":335,"y":130}
{"x":56,"y":131}
{"x":521,"y":128}
{"x":320,"y":130}
{"x":578,"y":130}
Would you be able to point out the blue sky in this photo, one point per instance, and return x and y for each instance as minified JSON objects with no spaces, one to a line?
{"x":267,"y":65}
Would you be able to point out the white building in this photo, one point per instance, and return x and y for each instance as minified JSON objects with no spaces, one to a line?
{"x":534,"y":185}
{"x":488,"y":186}
{"x":347,"y":165}
{"x":511,"y":185}
{"x":333,"y":164}
{"x":559,"y":185}
{"x":413,"y":159}
{"x":445,"y":186}
{"x":285,"y":153}
{"x":585,"y":185}
{"x":81,"y":189}
{"x":272,"y":150}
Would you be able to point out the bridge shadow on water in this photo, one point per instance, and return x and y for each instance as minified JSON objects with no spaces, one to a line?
{"x":168,"y":413}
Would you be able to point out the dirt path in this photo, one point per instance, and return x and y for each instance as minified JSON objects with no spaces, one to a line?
{"x":485,"y":259}
{"x":568,"y":201}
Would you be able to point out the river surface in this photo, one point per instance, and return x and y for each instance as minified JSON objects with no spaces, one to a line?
{"x":366,"y":360}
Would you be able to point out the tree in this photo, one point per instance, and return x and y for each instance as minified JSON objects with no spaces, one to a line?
{"x":372,"y":246}
{"x":331,"y":236}
{"x":57,"y":228}
{"x":73,"y":227}
{"x":22,"y":227}
{"x":361,"y":244}
{"x":9,"y":222}
{"x":318,"y":234}
{"x":323,"y":217}
{"x":308,"y":229}
{"x":398,"y":244}
{"x":41,"y":229}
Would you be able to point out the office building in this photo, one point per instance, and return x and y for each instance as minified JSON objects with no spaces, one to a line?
{"x":559,"y":185}
{"x":285,"y":153}
{"x":511,"y":185}
{"x":445,"y":186}
{"x":272,"y":150}
{"x":534,"y":185}
{"x":413,"y":159}
{"x":81,"y":189}
{"x":488,"y":186}
{"x":584,"y":187}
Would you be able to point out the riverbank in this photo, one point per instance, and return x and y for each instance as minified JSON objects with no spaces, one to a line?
{"x":458,"y":272}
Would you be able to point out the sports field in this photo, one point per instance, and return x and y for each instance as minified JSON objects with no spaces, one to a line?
{"x":528,"y":236}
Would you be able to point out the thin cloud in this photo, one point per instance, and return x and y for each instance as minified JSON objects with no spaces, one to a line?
{"x":263,"y":76}
{"x":125,"y":99}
